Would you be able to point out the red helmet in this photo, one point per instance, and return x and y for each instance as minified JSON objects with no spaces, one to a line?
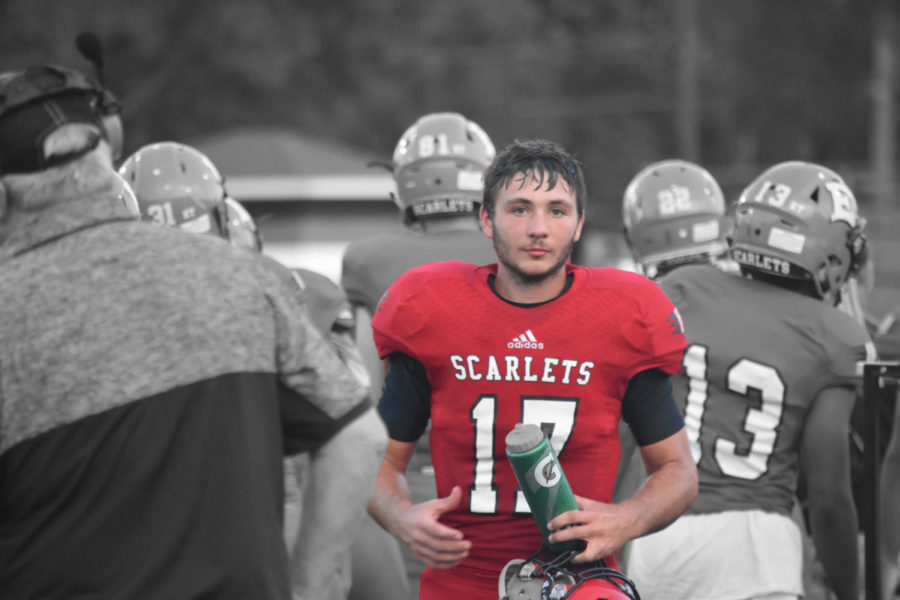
{"x":240,"y":227}
{"x":439,"y":165}
{"x":178,"y":186}
{"x":556,"y":578}
{"x":673,"y":212}
{"x":798,"y":222}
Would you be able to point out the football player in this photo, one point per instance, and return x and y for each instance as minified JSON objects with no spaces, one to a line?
{"x":178,"y":186}
{"x":529,"y":338}
{"x":673,"y":213}
{"x":768,"y":387}
{"x":438,"y":165}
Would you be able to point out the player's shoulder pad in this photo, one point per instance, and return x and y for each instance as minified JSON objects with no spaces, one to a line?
{"x":445,"y":269}
{"x":321,"y":283}
{"x":412,"y":284}
{"x":640,"y":288}
{"x":359,"y":252}
{"x":841,"y":326}
{"x":613,"y":277}
{"x":846,"y":338}
{"x":684,"y":279}
{"x":321,"y":287}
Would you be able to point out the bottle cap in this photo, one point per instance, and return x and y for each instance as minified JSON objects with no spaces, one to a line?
{"x":523,"y":437}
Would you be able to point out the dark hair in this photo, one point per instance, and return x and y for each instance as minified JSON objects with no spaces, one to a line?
{"x":541,"y":159}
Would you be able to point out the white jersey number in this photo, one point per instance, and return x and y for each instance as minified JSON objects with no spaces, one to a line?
{"x":761,"y":423}
{"x":551,"y":414}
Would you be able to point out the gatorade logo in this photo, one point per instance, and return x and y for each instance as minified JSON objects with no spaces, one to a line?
{"x":547,"y":473}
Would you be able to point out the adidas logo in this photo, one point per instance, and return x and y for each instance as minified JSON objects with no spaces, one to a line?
{"x":525,"y":340}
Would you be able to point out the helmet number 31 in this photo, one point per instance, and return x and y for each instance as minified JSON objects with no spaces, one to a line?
{"x":162,"y":214}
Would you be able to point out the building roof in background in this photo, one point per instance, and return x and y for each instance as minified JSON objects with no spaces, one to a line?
{"x":281,"y":152}
{"x":270,"y":163}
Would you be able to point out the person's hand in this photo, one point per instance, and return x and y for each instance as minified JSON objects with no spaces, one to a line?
{"x":436,"y":545}
{"x":604,"y":527}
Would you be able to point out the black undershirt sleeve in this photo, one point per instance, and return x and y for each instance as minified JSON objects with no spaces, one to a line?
{"x":649,"y":407}
{"x":405,"y":403}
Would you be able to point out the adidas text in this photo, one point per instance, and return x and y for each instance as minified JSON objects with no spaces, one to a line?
{"x":521,"y":344}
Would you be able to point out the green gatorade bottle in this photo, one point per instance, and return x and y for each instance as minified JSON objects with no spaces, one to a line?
{"x":541,"y":478}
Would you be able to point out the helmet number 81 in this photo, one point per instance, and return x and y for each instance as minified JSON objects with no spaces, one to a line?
{"x":430,"y":145}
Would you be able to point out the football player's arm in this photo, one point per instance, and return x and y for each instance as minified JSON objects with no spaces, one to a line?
{"x":631,"y":470}
{"x":404,"y":408}
{"x":335,"y":487}
{"x":669,"y":489}
{"x":343,"y":336}
{"x":368,"y":352}
{"x":825,"y":455}
{"x":325,"y":412}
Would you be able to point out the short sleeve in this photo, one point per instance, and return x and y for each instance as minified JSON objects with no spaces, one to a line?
{"x":399,"y":319}
{"x":657,"y":331}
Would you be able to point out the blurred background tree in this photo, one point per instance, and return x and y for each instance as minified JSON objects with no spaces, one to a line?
{"x":615,"y":80}
{"x":732,"y":84}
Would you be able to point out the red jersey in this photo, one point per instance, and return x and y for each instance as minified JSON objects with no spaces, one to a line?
{"x":758,"y":357}
{"x":563,"y":365}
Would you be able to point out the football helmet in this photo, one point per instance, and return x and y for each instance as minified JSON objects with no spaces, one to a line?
{"x":240,"y":227}
{"x":178,"y":186}
{"x":798,"y":223}
{"x":38,"y":100}
{"x":554,"y":577}
{"x":673,"y":212}
{"x":439,"y":165}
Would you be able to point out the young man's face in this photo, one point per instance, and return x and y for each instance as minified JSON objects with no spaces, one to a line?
{"x":533,"y":228}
